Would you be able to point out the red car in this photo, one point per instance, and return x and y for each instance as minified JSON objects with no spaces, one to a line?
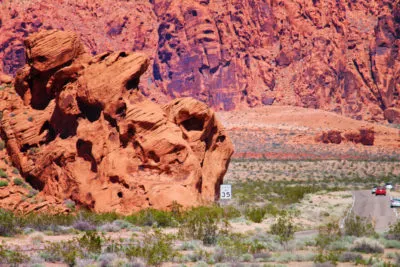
{"x":380,"y":191}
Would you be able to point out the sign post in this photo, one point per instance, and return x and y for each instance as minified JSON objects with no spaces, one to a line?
{"x":225,"y":192}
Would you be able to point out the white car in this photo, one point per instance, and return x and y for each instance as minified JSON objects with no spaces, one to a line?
{"x":373,"y":190}
{"x":395,"y":202}
{"x":389,"y":186}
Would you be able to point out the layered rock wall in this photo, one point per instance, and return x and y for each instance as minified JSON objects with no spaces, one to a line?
{"x":340,"y":56}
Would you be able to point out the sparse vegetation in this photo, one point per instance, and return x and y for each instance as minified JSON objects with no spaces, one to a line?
{"x":205,"y":235}
{"x":18,"y":181}
{"x":358,"y":226}
{"x":3,"y":174}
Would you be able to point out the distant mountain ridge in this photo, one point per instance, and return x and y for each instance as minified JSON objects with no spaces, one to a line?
{"x":340,"y":56}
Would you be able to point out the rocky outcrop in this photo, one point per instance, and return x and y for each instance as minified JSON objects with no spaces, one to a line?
{"x":79,"y":129}
{"x":364,"y":136}
{"x":340,"y":56}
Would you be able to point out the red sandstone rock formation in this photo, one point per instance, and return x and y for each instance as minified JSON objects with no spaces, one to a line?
{"x":340,"y":56}
{"x":365,"y":136}
{"x":79,"y":129}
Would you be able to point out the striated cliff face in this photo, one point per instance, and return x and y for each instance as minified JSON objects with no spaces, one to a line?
{"x":340,"y":56}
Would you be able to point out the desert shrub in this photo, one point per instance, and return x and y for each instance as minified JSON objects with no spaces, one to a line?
{"x":69,"y":204}
{"x":155,"y":248}
{"x":45,"y":221}
{"x":234,"y":245}
{"x":8,"y":223}
{"x":37,"y":239}
{"x":18,"y":181}
{"x":324,"y":264}
{"x":247,"y":257}
{"x":106,"y":259}
{"x":391,"y":243}
{"x":2,"y":145}
{"x":12,"y":257}
{"x":90,"y":242}
{"x":3,"y":183}
{"x":203,"y":223}
{"x":273,"y":210}
{"x":201,"y":255}
{"x":190,"y":245}
{"x":367,"y":245}
{"x":349,"y":256}
{"x":263,"y":255}
{"x":97,"y":218}
{"x":150,"y":217}
{"x":328,"y":258}
{"x":32,"y":192}
{"x":326,"y":235}
{"x":283,"y":228}
{"x":122,"y":224}
{"x":358,"y":226}
{"x":84,"y":225}
{"x":394,"y":231}
{"x":66,"y":251}
{"x":255,"y":214}
{"x":69,"y":251}
{"x":109,"y":227}
{"x":15,"y":171}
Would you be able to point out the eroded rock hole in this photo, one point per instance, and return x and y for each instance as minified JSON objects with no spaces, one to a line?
{"x":35,"y":182}
{"x":84,"y":149}
{"x":114,"y":179}
{"x":221,"y":139}
{"x":132,"y":83}
{"x":90,"y":111}
{"x":193,"y":124}
{"x":125,"y":138}
{"x":152,"y":155}
{"x":121,"y":110}
{"x":51,"y":133}
{"x":120,"y":195}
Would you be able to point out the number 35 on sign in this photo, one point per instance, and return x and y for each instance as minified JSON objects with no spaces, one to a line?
{"x":225,"y":191}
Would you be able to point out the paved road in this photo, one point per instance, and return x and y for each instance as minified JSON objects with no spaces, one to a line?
{"x":375,"y":207}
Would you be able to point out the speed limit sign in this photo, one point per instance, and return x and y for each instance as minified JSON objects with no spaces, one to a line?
{"x":225,"y":191}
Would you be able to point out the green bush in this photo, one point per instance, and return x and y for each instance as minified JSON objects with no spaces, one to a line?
{"x":91,"y":242}
{"x":284,"y":229}
{"x":203,"y":223}
{"x":394,"y":231}
{"x":329,"y":258}
{"x":3,"y":174}
{"x":358,"y":226}
{"x":8,"y":223}
{"x":66,"y":251}
{"x":3,"y":183}
{"x":12,"y":257}
{"x":18,"y":181}
{"x":235,"y":245}
{"x":255,"y":214}
{"x":150,"y":217}
{"x":155,"y":248}
{"x":326,"y":235}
